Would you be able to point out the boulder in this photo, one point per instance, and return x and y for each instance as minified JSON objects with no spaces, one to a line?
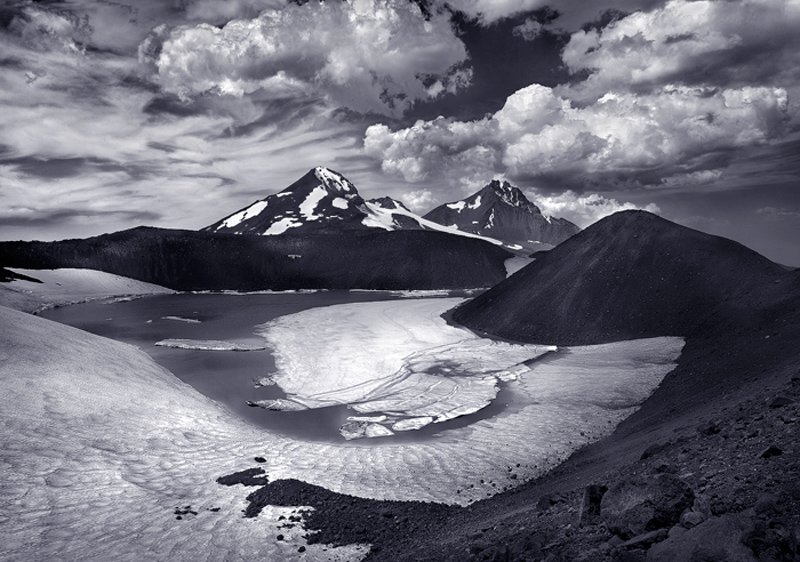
{"x":645,"y":540}
{"x":717,"y":540}
{"x":692,"y":519}
{"x":590,"y":505}
{"x":771,"y":451}
{"x":645,"y":503}
{"x":708,"y":428}
{"x":780,"y":402}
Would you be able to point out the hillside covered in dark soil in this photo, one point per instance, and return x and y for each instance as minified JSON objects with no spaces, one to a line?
{"x":188,"y":260}
{"x":630,"y":275}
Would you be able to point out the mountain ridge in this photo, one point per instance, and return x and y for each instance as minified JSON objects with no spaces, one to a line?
{"x":501,"y":210}
{"x":190,"y":260}
{"x":323,"y":200}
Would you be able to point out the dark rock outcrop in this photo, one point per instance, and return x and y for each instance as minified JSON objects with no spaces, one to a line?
{"x":590,"y":505}
{"x":640,"y":504}
{"x":717,"y":540}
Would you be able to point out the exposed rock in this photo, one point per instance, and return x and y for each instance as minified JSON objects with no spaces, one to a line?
{"x":547,"y":501}
{"x":646,"y":540}
{"x":502,"y":211}
{"x":708,"y":428}
{"x":771,"y":451}
{"x":640,"y":504}
{"x":780,"y":402}
{"x":772,"y":540}
{"x":717,"y":540}
{"x":692,"y":519}
{"x":590,"y":505}
{"x":249,"y":477}
{"x":653,"y":450}
{"x":766,"y":503}
{"x":625,"y":555}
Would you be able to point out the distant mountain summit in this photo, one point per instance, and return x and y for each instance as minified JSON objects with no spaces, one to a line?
{"x":502,"y":211}
{"x":325,"y":201}
{"x":320,"y":200}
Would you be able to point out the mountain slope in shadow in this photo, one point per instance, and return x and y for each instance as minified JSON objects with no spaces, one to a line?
{"x":191,"y":261}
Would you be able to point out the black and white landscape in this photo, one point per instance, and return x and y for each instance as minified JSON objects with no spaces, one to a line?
{"x":400,"y":280}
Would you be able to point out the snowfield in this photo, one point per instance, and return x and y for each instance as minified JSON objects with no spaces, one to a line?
{"x":68,"y":286}
{"x":99,"y":445}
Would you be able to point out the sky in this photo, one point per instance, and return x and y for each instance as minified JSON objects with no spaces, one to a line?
{"x":175,"y":113}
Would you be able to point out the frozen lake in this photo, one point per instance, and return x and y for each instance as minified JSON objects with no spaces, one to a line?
{"x":339,"y":366}
{"x":229,"y":376}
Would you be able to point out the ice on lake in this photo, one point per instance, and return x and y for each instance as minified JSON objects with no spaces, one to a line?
{"x":396,"y":359}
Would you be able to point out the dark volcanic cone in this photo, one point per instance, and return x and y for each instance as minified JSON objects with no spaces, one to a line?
{"x":630,"y":275}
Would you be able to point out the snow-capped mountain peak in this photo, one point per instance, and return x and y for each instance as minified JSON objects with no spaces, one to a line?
{"x":323,"y":200}
{"x":509,"y":195}
{"x":318,"y":200}
{"x":501,"y":210}
{"x":334,"y":181}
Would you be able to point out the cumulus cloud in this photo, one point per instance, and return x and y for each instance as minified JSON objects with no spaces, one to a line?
{"x":367,"y":55}
{"x":726,"y":43}
{"x":583,"y":209}
{"x":538,"y":132}
{"x":420,"y":200}
{"x":655,"y":94}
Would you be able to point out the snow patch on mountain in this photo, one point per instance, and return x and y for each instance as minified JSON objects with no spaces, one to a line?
{"x":382,"y":217}
{"x":250,"y":212}
{"x":282,"y":226}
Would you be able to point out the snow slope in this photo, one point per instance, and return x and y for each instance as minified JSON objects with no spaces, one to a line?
{"x":386,"y":216}
{"x":67,"y":286}
{"x":99,"y":445}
